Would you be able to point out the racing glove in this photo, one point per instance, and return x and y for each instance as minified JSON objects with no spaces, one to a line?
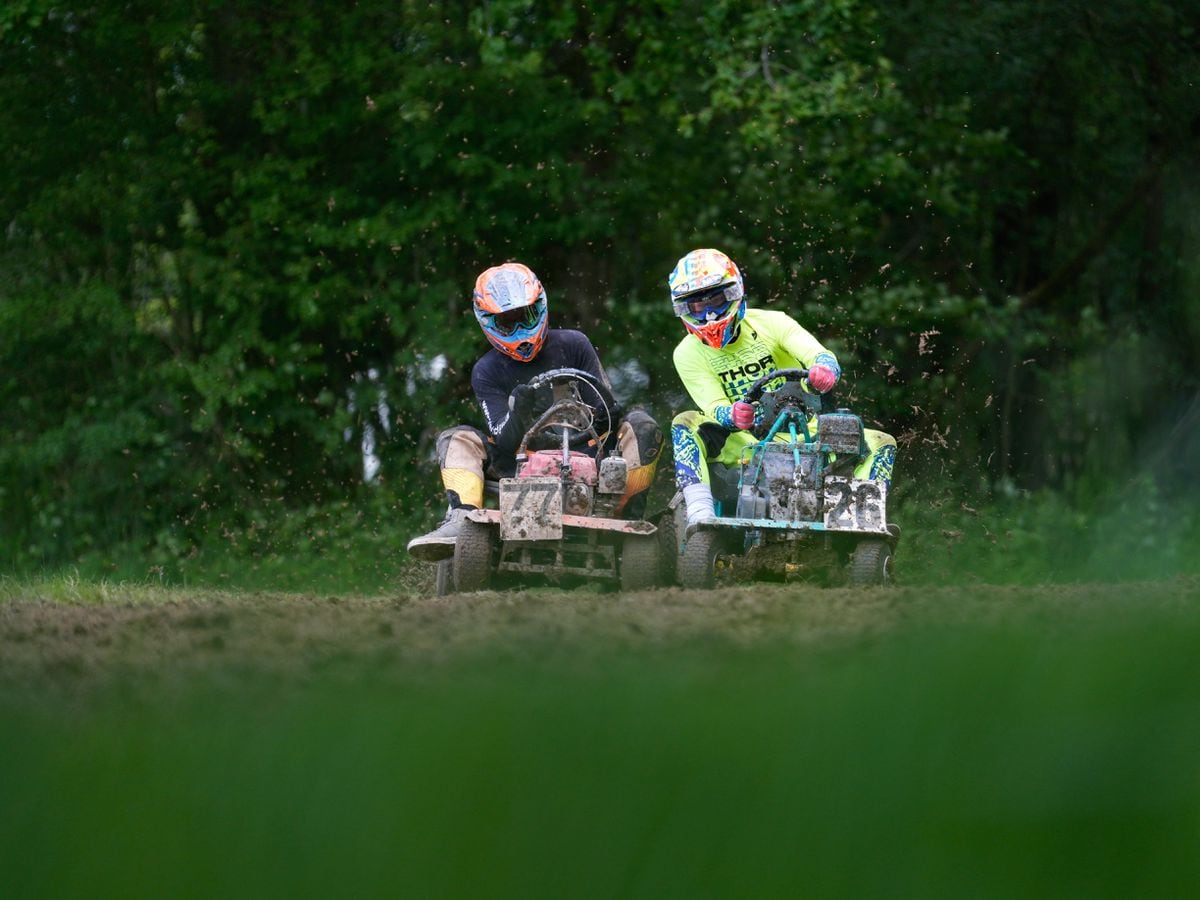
{"x":743,"y":415}
{"x":821,"y":378}
{"x":522,"y":404}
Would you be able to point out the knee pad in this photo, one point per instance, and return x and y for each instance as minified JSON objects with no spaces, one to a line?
{"x":462,"y":455}
{"x":462,"y":447}
{"x":640,"y":442}
{"x":708,"y":431}
{"x":647,"y":434}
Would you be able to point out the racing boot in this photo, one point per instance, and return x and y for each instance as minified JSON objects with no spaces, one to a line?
{"x":439,"y":543}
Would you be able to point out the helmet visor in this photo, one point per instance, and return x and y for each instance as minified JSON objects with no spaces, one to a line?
{"x":511,"y":320}
{"x":706,"y":306}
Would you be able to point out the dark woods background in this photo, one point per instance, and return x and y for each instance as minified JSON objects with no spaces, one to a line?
{"x":238,"y":243}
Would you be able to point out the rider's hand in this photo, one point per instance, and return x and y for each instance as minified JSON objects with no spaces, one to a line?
{"x":821,"y":378}
{"x":743,"y":415}
{"x":522,"y":402}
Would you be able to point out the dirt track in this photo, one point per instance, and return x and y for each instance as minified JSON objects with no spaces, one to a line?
{"x":169,"y":634}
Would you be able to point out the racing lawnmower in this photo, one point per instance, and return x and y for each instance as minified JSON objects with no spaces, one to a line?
{"x":559,"y":517}
{"x":792,"y":506}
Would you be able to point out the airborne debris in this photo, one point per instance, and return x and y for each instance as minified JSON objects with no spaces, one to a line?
{"x":938,"y":438}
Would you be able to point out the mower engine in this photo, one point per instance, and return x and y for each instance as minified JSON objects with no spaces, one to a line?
{"x":579,"y":477}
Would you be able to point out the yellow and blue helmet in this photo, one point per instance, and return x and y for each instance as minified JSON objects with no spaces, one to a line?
{"x":707,"y":294}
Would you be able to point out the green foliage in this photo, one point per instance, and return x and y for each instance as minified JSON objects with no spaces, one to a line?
{"x":1121,"y":534}
{"x":236,"y":241}
{"x":341,"y":546}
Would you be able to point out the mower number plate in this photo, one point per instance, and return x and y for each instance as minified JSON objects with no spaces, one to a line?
{"x":854,"y":505}
{"x":531,"y":509}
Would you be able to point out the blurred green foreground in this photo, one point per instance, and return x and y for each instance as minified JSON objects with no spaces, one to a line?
{"x":1023,"y":753}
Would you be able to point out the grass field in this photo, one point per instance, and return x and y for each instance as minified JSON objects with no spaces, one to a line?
{"x":982,"y":741}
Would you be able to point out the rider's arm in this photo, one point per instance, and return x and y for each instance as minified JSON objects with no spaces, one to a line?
{"x":799,"y":343}
{"x":701,"y":382}
{"x":501,"y":425}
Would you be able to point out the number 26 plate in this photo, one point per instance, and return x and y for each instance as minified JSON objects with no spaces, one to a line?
{"x":531,"y":509}
{"x":853,"y":505}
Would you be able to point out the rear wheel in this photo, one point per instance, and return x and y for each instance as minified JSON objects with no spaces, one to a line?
{"x":473,"y":557}
{"x":639,"y":562}
{"x":444,"y":582}
{"x":670,"y":526}
{"x":697,"y":564}
{"x":871,"y":563}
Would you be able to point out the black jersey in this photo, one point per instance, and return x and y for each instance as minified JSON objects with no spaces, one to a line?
{"x":495,"y":375}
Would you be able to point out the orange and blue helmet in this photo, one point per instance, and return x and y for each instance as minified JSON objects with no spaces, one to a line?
{"x":707,"y":294}
{"x":510,"y":306}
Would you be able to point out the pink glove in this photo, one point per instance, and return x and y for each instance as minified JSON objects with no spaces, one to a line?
{"x":743,"y":415}
{"x":821,"y":378}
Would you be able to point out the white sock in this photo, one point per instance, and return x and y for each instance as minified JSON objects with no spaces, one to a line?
{"x":699,"y":500}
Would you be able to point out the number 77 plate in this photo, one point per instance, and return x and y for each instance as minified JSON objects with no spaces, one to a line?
{"x":531,"y":509}
{"x":854,"y":505}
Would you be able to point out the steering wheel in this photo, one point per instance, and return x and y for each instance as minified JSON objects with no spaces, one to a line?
{"x":788,"y":394}
{"x":568,"y":409}
{"x":755,"y":391}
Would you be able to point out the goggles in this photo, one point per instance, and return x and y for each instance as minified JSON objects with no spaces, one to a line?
{"x":708,"y":305}
{"x":512,"y":320}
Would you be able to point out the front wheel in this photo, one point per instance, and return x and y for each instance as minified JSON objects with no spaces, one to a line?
{"x":871,"y":563}
{"x":639,"y":562}
{"x":697,"y":565}
{"x":671,"y":524}
{"x":473,"y":557}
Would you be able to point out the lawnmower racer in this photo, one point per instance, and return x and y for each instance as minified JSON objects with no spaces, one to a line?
{"x":510,"y":306}
{"x":727,"y":348}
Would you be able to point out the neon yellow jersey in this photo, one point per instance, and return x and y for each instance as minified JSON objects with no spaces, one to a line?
{"x":768,"y":340}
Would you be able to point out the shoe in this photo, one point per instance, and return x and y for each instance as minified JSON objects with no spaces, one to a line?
{"x":439,"y":543}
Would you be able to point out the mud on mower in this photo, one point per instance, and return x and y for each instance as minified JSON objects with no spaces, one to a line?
{"x":792,"y":507}
{"x":559,"y":517}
